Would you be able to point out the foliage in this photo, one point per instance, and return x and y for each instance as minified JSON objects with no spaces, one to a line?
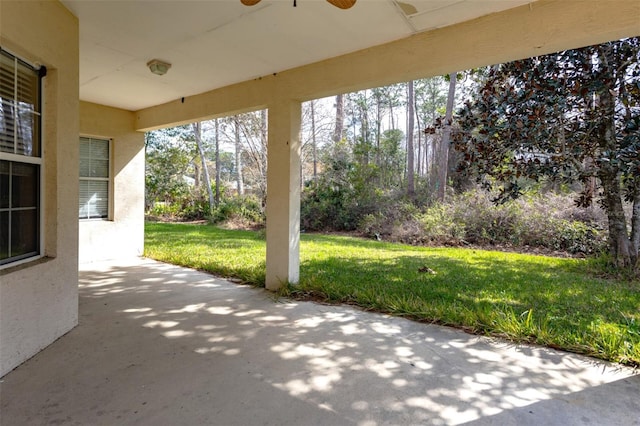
{"x":535,"y":299}
{"x":342,"y":195}
{"x":550,"y":222}
{"x":178,"y":170}
{"x":193,"y":205}
{"x":245,"y":211}
{"x":166,"y":165}
{"x":572,"y":116}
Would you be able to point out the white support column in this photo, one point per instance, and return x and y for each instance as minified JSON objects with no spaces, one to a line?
{"x":283,"y":194}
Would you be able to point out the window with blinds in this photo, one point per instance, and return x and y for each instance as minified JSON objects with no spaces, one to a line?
{"x":20,"y":159}
{"x":94,"y":179}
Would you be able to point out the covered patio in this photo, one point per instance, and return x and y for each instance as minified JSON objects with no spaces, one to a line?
{"x":139,"y":342}
{"x":163,"y":345}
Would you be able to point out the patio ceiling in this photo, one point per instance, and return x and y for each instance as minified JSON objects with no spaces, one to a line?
{"x":212,"y":44}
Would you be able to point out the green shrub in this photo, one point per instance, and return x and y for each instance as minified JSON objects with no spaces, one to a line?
{"x":550,"y":221}
{"x":190,"y":205}
{"x":164,"y":209}
{"x":194,"y":208}
{"x":547,"y":221}
{"x":439,"y":225}
{"x":335,"y":207}
{"x":391,"y":219}
{"x":484,"y":222}
{"x":246,"y":210}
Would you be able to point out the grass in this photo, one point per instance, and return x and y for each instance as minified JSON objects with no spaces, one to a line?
{"x":543,"y":300}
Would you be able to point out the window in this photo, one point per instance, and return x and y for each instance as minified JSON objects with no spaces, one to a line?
{"x":20,"y":159}
{"x":94,"y":178}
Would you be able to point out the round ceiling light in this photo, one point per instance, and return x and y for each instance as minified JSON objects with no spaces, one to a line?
{"x":158,"y":67}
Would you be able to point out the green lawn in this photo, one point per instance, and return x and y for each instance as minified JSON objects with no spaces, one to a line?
{"x":544,"y":300}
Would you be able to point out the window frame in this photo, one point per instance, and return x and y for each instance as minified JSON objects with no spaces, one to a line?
{"x":108,"y":179}
{"x":39,"y":160}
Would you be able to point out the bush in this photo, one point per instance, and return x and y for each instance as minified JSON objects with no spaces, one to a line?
{"x":484,"y":222}
{"x":389,"y":214}
{"x":164,"y":209}
{"x":243,"y":211}
{"x":336,"y":208}
{"x":192,"y":204}
{"x":184,"y":209}
{"x":548,"y":221}
{"x":439,"y":226}
{"x":194,"y":208}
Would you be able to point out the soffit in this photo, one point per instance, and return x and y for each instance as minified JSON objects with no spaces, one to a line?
{"x":212,"y":44}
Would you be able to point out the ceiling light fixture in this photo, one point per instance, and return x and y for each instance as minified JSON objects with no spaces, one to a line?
{"x":342,"y":4}
{"x":158,"y":67}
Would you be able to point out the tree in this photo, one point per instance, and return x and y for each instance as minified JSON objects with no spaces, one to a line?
{"x":238,"y":165}
{"x":166,"y":165}
{"x":569,"y":116}
{"x":411,"y":189}
{"x":217,"y":136}
{"x":314,"y":141}
{"x":443,"y":161}
{"x":430,"y":104}
{"x":168,"y":161}
{"x":360,"y":122}
{"x":392,"y":158}
{"x":197,"y":133}
{"x":339,"y":127}
{"x":252,"y":142}
{"x":317,"y":128}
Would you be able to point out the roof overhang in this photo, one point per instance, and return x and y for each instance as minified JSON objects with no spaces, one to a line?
{"x":213,"y":44}
{"x":529,"y":30}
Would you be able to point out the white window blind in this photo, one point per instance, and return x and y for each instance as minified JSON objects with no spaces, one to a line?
{"x":20,"y":159}
{"x":19,"y":108}
{"x":94,"y":178}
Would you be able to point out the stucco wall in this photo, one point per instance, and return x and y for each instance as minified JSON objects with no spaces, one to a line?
{"x":123,"y":234}
{"x":39,"y":300}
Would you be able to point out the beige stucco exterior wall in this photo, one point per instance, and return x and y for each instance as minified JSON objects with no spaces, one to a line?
{"x":123,"y":234}
{"x":39,"y":300}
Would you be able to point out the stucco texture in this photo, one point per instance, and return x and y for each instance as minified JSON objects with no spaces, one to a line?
{"x":122,"y":235}
{"x":39,"y":300}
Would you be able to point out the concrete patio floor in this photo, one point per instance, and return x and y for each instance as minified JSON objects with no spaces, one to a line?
{"x":163,"y":345}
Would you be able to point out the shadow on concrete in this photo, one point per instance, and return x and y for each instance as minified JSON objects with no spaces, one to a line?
{"x":163,"y":345}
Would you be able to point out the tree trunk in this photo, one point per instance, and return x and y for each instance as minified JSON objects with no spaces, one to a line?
{"x":314,"y":145}
{"x":433,"y":167}
{"x":337,"y":132}
{"x":419,"y":146}
{"x":378,"y":98}
{"x":622,"y":250}
{"x":217,"y":162}
{"x":196,"y":175}
{"x":239,"y":182}
{"x":443,"y":162}
{"x":411,"y":190}
{"x":264,"y":140}
{"x":392,"y":116}
{"x":635,"y":225}
{"x":364,"y":131}
{"x":620,"y":246}
{"x":197,"y":132}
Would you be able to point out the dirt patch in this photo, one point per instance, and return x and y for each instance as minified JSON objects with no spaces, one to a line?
{"x":169,"y":219}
